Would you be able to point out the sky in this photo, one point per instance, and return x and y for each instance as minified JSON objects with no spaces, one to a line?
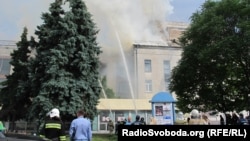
{"x":130,"y":17}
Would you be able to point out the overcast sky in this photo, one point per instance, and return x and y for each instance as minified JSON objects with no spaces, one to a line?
{"x":16,"y":14}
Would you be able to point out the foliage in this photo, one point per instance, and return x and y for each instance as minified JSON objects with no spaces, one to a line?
{"x":15,"y":96}
{"x":104,"y":137}
{"x":64,"y":73}
{"x":213,"y":72}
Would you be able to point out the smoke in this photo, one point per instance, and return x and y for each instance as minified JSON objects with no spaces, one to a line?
{"x":122,"y":23}
{"x":134,"y":20}
{"x":18,"y":14}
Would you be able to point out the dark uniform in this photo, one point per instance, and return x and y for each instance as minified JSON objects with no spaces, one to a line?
{"x":143,"y":122}
{"x":53,"y":129}
{"x":137,"y":121}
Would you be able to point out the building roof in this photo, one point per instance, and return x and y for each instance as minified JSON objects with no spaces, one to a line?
{"x":162,"y":97}
{"x":150,"y":43}
{"x":124,"y":104}
{"x":7,"y":44}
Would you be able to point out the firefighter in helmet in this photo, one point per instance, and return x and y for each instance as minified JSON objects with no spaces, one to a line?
{"x":53,"y":128}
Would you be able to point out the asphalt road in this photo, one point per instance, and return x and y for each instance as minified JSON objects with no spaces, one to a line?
{"x":20,"y":137}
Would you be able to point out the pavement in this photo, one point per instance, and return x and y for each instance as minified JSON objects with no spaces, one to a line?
{"x":21,"y":137}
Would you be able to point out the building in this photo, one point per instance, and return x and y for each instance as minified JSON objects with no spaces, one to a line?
{"x":125,"y":71}
{"x":153,"y":65}
{"x":119,"y":110}
{"x":6,"y":47}
{"x":146,"y":71}
{"x":155,"y":61}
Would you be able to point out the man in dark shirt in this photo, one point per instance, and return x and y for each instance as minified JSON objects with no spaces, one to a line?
{"x":137,"y":121}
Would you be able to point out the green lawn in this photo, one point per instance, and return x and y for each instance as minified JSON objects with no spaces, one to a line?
{"x":104,"y":137}
{"x":96,"y":137}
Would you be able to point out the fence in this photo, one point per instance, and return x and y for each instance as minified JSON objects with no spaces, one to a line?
{"x":23,"y":127}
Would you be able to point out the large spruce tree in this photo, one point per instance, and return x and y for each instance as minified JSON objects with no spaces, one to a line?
{"x":213,"y":73}
{"x":15,"y":95}
{"x":65,"y":70}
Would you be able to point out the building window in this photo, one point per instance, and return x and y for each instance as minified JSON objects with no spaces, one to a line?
{"x":4,"y":66}
{"x":167,"y":73}
{"x":148,"y":84}
{"x":147,"y":65}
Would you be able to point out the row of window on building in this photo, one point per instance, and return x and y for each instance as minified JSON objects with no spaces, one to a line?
{"x":167,"y":74}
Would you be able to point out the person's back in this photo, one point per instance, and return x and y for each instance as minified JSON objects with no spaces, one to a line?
{"x":248,"y":119}
{"x":142,"y":121}
{"x":80,"y":128}
{"x":110,"y":126}
{"x":228,"y":119}
{"x":53,"y":128}
{"x":206,"y":120}
{"x":116,"y":126}
{"x":197,"y":121}
{"x":137,"y":121}
{"x":234,"y":119}
{"x":222,"y":121}
{"x":2,"y":129}
{"x":242,"y":120}
{"x":195,"y":118}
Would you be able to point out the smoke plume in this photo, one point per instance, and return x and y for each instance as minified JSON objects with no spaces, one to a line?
{"x":134,"y":20}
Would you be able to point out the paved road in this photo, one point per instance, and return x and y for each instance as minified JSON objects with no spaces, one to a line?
{"x":21,"y":137}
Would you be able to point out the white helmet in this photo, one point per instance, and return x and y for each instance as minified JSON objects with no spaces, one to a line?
{"x":195,"y":113}
{"x":54,"y":113}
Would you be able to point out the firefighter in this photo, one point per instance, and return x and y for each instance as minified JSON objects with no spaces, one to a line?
{"x":53,"y":128}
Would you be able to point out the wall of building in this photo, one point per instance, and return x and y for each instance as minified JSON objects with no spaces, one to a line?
{"x":157,"y":54}
{"x":100,"y":122}
{"x":6,"y":48}
{"x":115,"y":70}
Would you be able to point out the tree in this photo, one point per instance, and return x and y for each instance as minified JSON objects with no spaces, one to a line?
{"x":15,"y":91}
{"x":84,"y":60}
{"x":213,"y":73}
{"x":65,"y":71}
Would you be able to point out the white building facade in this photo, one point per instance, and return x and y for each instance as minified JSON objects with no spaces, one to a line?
{"x":153,"y":66}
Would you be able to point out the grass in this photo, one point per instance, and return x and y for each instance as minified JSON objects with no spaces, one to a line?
{"x":104,"y":137}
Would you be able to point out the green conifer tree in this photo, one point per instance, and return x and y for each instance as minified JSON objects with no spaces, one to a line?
{"x":83,"y":58}
{"x":15,"y":98}
{"x":65,"y":71}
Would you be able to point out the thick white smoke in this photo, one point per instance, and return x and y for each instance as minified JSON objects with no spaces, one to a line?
{"x":134,"y":20}
{"x":122,"y":23}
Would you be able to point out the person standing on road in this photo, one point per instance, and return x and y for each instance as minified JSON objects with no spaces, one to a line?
{"x":110,"y":126}
{"x":53,"y":128}
{"x":80,"y":128}
{"x":242,"y":120}
{"x":196,"y":118}
{"x":137,"y":121}
{"x":128,"y":121}
{"x":2,"y":130}
{"x":222,"y":120}
{"x":143,"y":122}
